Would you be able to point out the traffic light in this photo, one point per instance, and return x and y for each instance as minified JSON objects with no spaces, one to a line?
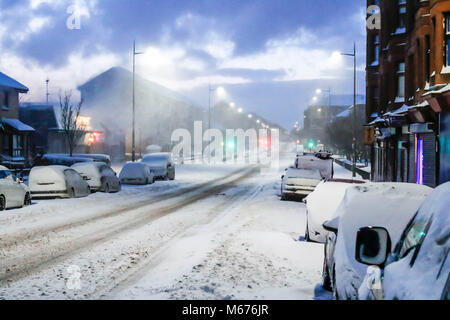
{"x":230,"y":144}
{"x":311,"y":145}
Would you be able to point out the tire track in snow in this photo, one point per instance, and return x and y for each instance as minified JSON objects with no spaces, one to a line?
{"x":23,"y":266}
{"x":10,"y":241}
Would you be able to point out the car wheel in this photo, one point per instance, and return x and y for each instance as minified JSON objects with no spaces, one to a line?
{"x":27,"y":200}
{"x":326,"y":281}
{"x":2,"y":203}
{"x":71,"y":193}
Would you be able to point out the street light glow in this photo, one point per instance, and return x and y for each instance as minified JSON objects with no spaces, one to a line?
{"x":240,"y":110}
{"x":220,"y":91}
{"x":315,"y":99}
{"x":250,"y":116}
{"x":232,"y":104}
{"x":319,"y":91}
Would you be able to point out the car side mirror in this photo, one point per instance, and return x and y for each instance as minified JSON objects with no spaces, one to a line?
{"x":373,"y":245}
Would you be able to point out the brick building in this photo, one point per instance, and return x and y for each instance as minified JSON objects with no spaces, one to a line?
{"x":407,"y":91}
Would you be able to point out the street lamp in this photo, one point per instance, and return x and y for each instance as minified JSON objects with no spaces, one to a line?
{"x":354,"y":105}
{"x":232,"y":105}
{"x":250,"y":116}
{"x":240,"y":110}
{"x":133,"y":135}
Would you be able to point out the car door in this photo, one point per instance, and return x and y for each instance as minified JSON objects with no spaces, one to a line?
{"x":75,"y":181}
{"x":18,"y":192}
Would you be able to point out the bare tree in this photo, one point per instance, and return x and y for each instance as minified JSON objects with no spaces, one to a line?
{"x":71,"y":125}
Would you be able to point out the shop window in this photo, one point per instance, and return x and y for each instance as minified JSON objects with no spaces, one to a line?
{"x":402,"y":14}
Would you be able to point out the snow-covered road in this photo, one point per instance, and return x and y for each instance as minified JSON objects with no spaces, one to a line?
{"x":218,"y":232}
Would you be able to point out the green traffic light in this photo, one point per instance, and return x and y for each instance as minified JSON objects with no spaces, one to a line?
{"x":230,"y":144}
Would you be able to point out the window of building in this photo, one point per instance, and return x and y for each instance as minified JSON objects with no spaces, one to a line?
{"x":401,"y":79}
{"x":427,"y":58}
{"x":376,"y":50}
{"x":402,"y":13}
{"x":17,"y":146}
{"x":5,"y":103}
{"x":447,"y":39}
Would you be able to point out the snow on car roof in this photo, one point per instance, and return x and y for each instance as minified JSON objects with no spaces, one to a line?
{"x":326,"y":198}
{"x":3,"y":168}
{"x":157,"y":155}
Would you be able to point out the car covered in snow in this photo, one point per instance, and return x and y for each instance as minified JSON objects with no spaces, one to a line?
{"x":13,"y":193}
{"x":161,"y":164}
{"x":137,"y":173}
{"x":321,"y":205}
{"x":59,"y":160}
{"x":99,"y":176}
{"x":391,"y":205}
{"x":57,"y":182}
{"x":299,"y":182}
{"x":317,"y":161}
{"x":418,"y":267}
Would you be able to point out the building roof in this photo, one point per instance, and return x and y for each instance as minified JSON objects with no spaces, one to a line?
{"x":8,"y":82}
{"x":17,"y":125}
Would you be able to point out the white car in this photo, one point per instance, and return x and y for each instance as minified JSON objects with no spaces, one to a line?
{"x":99,"y":176}
{"x":13,"y":193}
{"x":161,"y":164}
{"x":418,"y":267}
{"x":136,"y":173}
{"x":391,"y":205}
{"x":57,"y":182}
{"x":299,"y":182}
{"x":321,"y":205}
{"x":318,"y":161}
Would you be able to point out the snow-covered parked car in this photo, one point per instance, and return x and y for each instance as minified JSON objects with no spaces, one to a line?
{"x":391,"y":205}
{"x":136,"y":173}
{"x":321,"y":205}
{"x":317,"y":161}
{"x":57,"y":182}
{"x":161,"y":164}
{"x":99,"y":176}
{"x":299,"y":182}
{"x":13,"y":193}
{"x":418,"y":267}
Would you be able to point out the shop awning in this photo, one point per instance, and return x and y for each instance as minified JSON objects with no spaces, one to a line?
{"x":17,"y":125}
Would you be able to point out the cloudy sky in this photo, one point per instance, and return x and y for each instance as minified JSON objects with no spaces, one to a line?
{"x":269,"y":55}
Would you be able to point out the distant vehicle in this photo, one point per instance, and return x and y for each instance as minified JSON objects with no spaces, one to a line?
{"x":390,"y":205}
{"x":57,"y":182}
{"x":313,"y":161}
{"x":161,"y":164}
{"x":136,"y":173}
{"x":418,"y":267}
{"x":13,"y":193}
{"x":59,"y":160}
{"x":299,"y":182}
{"x":99,"y":176}
{"x":321,"y":205}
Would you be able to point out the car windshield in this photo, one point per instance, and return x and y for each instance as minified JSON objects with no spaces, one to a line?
{"x":413,"y":237}
{"x":156,"y":159}
{"x":5,"y":174}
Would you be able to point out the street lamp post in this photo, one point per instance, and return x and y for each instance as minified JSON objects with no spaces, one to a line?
{"x":133,"y":134}
{"x":354,"y":105}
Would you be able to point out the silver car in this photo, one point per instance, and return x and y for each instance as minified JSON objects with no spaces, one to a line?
{"x":99,"y":176}
{"x":13,"y":193}
{"x":161,"y":164}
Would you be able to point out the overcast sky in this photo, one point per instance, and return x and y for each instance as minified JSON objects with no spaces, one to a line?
{"x":269,"y":55}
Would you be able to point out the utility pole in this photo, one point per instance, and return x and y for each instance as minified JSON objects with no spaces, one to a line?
{"x":46,"y":83}
{"x":354,"y":105}
{"x":133,"y":134}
